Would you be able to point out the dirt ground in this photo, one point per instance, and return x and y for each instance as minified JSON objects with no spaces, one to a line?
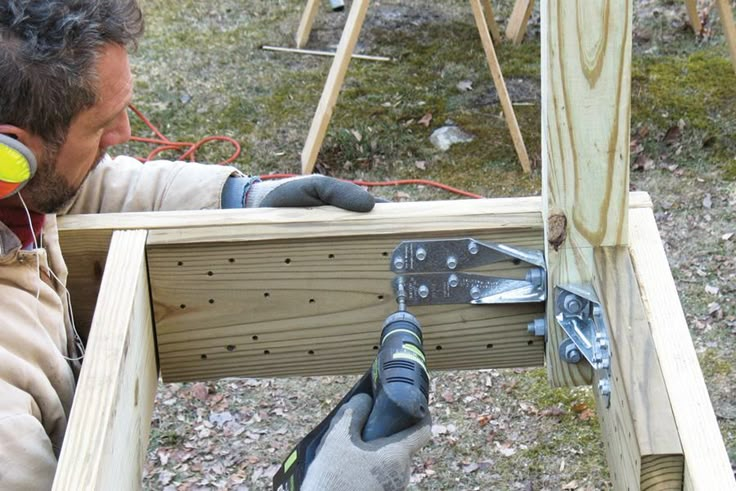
{"x":200,"y":71}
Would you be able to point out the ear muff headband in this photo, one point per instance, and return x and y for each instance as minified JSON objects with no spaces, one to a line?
{"x":17,"y":166}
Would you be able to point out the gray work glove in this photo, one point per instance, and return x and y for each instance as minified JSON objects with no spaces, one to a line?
{"x":344,"y":462}
{"x":312,"y":190}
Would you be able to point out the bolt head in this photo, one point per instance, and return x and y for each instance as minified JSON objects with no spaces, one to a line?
{"x":421,"y":253}
{"x":475,"y":293}
{"x":453,"y":281}
{"x":423,"y":291}
{"x":473,"y":247}
{"x":452,"y":262}
{"x":399,"y":263}
{"x":604,"y":387}
{"x":572,"y":354}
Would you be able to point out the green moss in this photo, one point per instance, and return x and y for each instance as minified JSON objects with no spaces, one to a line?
{"x":712,"y":364}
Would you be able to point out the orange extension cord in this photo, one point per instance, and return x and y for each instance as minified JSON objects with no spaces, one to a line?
{"x":190,"y":148}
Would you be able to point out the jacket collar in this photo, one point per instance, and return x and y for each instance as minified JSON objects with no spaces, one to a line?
{"x":9,"y":242}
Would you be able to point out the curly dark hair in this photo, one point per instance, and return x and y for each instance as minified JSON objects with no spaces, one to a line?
{"x":48,"y":54}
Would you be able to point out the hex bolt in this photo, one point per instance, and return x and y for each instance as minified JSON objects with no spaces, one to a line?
{"x":423,"y":291}
{"x":453,"y":281}
{"x":452,"y":262}
{"x":421,"y":253}
{"x":475,"y":293}
{"x":473,"y":247}
{"x":604,"y":387}
{"x":572,"y":304}
{"x":571,"y":353}
{"x":537,"y":327}
{"x":398,"y":263}
{"x":606,"y":362}
{"x":534,"y":276}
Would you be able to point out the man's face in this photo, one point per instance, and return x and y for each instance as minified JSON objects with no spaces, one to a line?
{"x":62,"y":169}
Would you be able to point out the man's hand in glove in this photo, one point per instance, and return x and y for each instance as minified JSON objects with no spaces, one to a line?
{"x":345,"y":462}
{"x":312,"y":190}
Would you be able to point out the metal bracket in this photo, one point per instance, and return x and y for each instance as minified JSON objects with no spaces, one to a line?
{"x":429,"y":272}
{"x":578,"y":311}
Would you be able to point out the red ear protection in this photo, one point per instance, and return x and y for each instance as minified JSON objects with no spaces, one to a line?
{"x":17,"y":166}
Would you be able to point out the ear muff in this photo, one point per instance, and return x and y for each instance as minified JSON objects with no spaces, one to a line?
{"x":17,"y":166}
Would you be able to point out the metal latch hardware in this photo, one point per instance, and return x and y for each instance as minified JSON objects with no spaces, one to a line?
{"x":579,"y":313}
{"x":430,"y":272}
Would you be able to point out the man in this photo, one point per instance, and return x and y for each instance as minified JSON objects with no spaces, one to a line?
{"x":65,"y":85}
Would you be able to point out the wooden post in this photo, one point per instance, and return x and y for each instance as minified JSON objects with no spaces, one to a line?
{"x":107,"y":436}
{"x":503,"y":94}
{"x":729,"y":27}
{"x":692,"y":13}
{"x":639,"y":431}
{"x":305,"y":24}
{"x":586,"y":85}
{"x":707,"y":465}
{"x":491,"y":20}
{"x":335,"y":78}
{"x":516,"y":27}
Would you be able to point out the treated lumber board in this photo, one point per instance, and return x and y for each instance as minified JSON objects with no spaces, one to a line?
{"x":729,"y":27}
{"x":85,"y":238}
{"x":639,"y":430}
{"x":692,"y":13}
{"x":491,"y":19}
{"x":107,"y":436}
{"x":586,"y":92}
{"x":305,"y":23}
{"x":316,"y":307}
{"x":707,"y":465}
{"x":500,"y":84}
{"x":335,"y":78}
{"x":516,"y":27}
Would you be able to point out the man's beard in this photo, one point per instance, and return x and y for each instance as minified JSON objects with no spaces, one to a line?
{"x":48,"y":191}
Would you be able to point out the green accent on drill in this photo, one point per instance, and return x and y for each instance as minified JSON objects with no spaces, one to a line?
{"x":400,"y":330}
{"x":374,"y":370}
{"x":410,"y":356}
{"x":416,"y":350}
{"x":290,"y":461}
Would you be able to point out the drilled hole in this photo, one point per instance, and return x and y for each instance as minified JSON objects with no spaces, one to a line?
{"x":182,"y":306}
{"x":331,"y":256}
{"x":439,"y":347}
{"x":375,"y":347}
{"x":203,"y":356}
{"x":530,"y":342}
{"x":311,"y":352}
{"x":212,"y":300}
{"x":380,"y":297}
{"x":516,"y":261}
{"x":231,"y":260}
{"x":489,"y":346}
{"x":255,"y":338}
{"x":311,"y":300}
{"x":210,"y":273}
{"x":230,"y":347}
{"x":287,"y":260}
{"x":266,"y":352}
{"x":179,"y":263}
{"x":266,"y":294}
{"x":384,"y":254}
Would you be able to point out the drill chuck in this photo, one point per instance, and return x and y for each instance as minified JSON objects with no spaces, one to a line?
{"x":399,"y":378}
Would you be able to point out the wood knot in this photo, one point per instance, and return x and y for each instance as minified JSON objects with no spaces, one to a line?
{"x":556,"y":230}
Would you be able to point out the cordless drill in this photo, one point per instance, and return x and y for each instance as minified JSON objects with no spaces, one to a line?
{"x":398,"y":383}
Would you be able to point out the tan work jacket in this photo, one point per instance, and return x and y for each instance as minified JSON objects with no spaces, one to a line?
{"x":37,"y":343}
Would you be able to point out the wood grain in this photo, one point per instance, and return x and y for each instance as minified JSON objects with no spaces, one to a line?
{"x":729,"y":27}
{"x":639,"y":430}
{"x":586,"y":86}
{"x":107,"y":436}
{"x":707,"y":464}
